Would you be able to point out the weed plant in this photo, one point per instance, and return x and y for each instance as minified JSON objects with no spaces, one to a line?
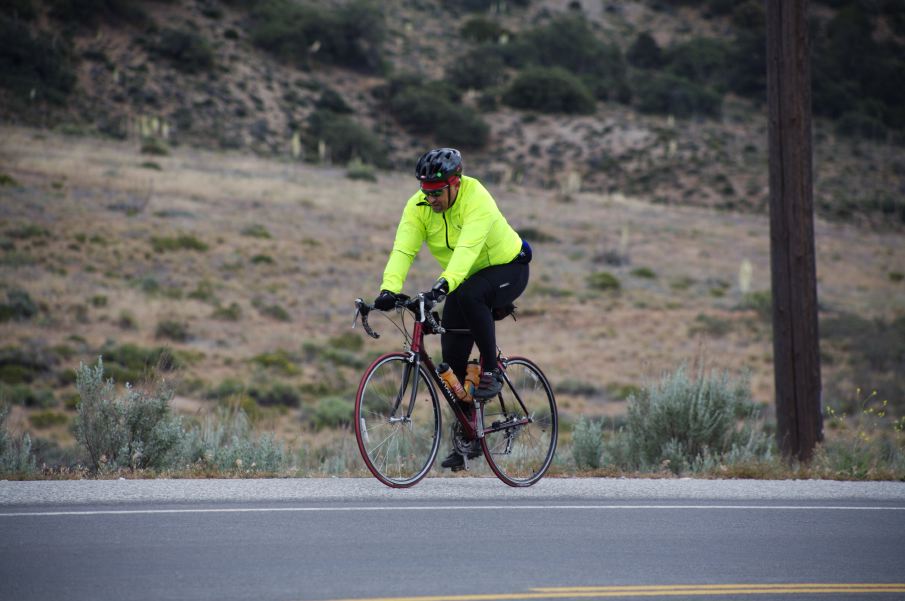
{"x":587,"y":443}
{"x":688,"y":423}
{"x":15,"y":451}
{"x":225,"y":442}
{"x":134,"y":430}
{"x":867,"y":444}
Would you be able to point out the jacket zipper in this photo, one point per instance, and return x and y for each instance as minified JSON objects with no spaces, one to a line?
{"x":446,"y":231}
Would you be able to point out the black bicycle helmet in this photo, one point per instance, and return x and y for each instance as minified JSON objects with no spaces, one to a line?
{"x":439,"y":165}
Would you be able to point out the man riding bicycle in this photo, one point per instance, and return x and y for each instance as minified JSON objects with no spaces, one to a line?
{"x":484,"y":261}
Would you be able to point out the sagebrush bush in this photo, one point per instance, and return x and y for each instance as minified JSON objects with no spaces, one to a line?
{"x":332,"y":412}
{"x":134,"y":430}
{"x":689,"y":423}
{"x":225,"y":441}
{"x":587,"y":443}
{"x":15,"y":452}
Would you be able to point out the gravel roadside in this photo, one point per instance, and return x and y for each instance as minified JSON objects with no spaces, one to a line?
{"x":449,"y":489}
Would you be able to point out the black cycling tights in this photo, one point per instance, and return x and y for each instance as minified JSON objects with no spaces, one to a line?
{"x":469,"y":306}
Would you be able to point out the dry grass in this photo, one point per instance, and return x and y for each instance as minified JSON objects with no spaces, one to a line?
{"x":329,"y":238}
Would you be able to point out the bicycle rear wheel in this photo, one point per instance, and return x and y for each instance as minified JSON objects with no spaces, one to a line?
{"x":397,"y":420}
{"x":520,"y":425}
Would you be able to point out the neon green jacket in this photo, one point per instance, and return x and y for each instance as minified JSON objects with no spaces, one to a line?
{"x":470,"y":236}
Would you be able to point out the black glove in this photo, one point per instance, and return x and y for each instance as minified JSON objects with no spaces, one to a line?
{"x":385,"y":301}
{"x":438,"y":293}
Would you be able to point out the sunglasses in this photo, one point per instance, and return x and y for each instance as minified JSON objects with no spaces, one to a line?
{"x":434,"y":193}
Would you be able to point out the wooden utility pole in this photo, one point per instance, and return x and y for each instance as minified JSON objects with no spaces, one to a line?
{"x":796,"y":356}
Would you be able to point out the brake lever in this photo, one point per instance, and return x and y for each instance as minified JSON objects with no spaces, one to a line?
{"x":362,"y":308}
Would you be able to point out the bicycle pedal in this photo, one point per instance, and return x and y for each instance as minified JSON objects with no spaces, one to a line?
{"x":459,"y":468}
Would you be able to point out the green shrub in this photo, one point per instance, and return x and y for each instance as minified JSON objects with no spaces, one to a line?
{"x":665,"y":93}
{"x":710,"y":326}
{"x":225,"y":441}
{"x":569,"y":43}
{"x":481,"y":30}
{"x":421,"y":110}
{"x":47,"y":419}
{"x":15,"y":452}
{"x":347,"y":341}
{"x":332,"y":412}
{"x":256,"y":230}
{"x":127,"y":321}
{"x":172,"y":330}
{"x":644,"y":52}
{"x":604,"y":280}
{"x":587,"y":443}
{"x":533,"y":234}
{"x":550,"y":90}
{"x":182,"y":242}
{"x":28,"y":231}
{"x":90,"y":13}
{"x":330,"y":100}
{"x":133,"y":363}
{"x":478,"y":68}
{"x":704,"y":61}
{"x":227,"y":388}
{"x":233,"y":312}
{"x":155,"y":146}
{"x":344,"y":137}
{"x":280,"y":360}
{"x":684,"y":423}
{"x":577,"y":388}
{"x":34,"y":66}
{"x":27,"y":396}
{"x":277,"y":393}
{"x":644,"y":272}
{"x":761,"y":302}
{"x":135,"y":430}
{"x":19,"y":9}
{"x":272,"y":311}
{"x":357,"y":170}
{"x":187,"y":50}
{"x":19,"y":306}
{"x":350,"y":35}
{"x":262,"y":260}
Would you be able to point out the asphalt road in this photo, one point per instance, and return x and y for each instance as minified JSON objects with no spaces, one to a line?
{"x":460,"y":539}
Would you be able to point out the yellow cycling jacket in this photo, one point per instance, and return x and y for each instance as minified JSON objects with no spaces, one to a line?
{"x":470,"y":236}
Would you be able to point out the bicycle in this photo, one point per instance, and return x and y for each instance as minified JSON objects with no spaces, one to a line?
{"x":398,"y":418}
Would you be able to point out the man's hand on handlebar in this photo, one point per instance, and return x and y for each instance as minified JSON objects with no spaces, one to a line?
{"x":385,"y":301}
{"x":438,"y":293}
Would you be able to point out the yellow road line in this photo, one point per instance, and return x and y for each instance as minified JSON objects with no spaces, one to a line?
{"x":672,"y":587}
{"x":599,"y":592}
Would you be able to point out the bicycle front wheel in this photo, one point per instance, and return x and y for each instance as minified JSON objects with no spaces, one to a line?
{"x":397,"y":421}
{"x":520,"y":425}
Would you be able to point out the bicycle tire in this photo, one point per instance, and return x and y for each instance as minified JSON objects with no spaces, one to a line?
{"x":520,"y":455}
{"x":399,"y":453}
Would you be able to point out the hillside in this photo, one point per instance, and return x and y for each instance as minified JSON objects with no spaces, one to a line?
{"x":202,"y":215}
{"x":661,"y":100}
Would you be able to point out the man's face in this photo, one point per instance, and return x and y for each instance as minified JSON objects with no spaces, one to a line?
{"x":440,"y":202}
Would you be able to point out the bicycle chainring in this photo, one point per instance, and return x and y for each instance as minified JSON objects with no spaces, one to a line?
{"x":462,"y":445}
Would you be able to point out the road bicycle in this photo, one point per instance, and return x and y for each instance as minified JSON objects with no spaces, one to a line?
{"x":398,"y":417}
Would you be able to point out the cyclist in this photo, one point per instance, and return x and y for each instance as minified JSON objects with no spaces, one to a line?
{"x":484,"y":261}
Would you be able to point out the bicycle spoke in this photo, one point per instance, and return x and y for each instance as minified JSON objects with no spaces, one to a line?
{"x":406,"y":446}
{"x":520,"y":453}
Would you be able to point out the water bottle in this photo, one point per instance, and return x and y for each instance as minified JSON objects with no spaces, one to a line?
{"x":451,"y":381}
